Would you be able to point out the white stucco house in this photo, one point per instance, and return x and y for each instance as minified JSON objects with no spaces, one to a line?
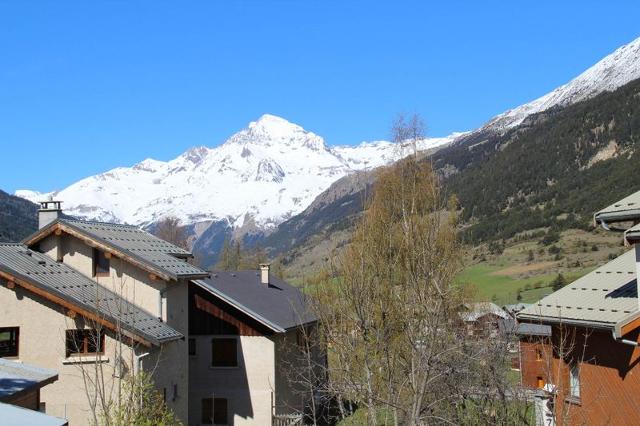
{"x":76,"y":294}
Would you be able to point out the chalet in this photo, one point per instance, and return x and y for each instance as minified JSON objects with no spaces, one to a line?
{"x":484,"y":319}
{"x":588,"y":365}
{"x":77,"y":294}
{"x":245,"y":343}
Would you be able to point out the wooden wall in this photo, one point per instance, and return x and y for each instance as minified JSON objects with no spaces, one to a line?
{"x":209,"y":315}
{"x":30,"y":400}
{"x":609,"y":376}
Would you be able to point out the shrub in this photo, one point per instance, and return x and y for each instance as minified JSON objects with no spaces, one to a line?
{"x":554,"y":250}
{"x":559,"y":282}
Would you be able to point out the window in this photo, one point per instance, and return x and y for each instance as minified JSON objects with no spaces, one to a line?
{"x":539,"y":382}
{"x":538,"y":354}
{"x":9,"y":341}
{"x":224,"y":352}
{"x":84,"y":342}
{"x":574,"y":380}
{"x":214,"y":411}
{"x":192,"y":347}
{"x":100,"y":263}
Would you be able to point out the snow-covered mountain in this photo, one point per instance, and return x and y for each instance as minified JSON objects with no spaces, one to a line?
{"x":613,"y":71}
{"x":274,"y":169}
{"x":265,"y":173}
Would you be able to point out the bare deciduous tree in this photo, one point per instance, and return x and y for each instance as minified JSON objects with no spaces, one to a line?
{"x":118,"y":391}
{"x":169,"y":229}
{"x":390,"y":312}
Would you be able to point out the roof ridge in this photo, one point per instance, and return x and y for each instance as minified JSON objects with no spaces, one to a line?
{"x":96,"y":222}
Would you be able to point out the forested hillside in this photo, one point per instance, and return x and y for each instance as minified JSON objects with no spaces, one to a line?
{"x":18,"y":217}
{"x":556,"y":169}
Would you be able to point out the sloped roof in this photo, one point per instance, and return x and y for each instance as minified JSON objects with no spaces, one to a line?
{"x":530,"y":329}
{"x":66,"y":283}
{"x":603,"y":298}
{"x":150,"y":252}
{"x":632,"y":235}
{"x":480,"y":309}
{"x":13,"y":415}
{"x":621,"y":211}
{"x":279,"y":306}
{"x":16,"y":377}
{"x":515,"y":308}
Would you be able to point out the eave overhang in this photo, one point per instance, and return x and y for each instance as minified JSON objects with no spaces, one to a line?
{"x":82,"y":309}
{"x":242,"y":308}
{"x":58,"y":226}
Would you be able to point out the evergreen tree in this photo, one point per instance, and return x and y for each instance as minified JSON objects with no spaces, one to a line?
{"x":559,"y":282}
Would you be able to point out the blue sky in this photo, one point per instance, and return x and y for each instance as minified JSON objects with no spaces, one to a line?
{"x":89,"y":86}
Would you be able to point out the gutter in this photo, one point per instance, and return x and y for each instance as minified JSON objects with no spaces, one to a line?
{"x":578,"y":323}
{"x":606,"y":227}
{"x":631,"y":237}
{"x":619,"y":216}
{"x":615,"y":330}
{"x":605,"y":219}
{"x":624,"y":341}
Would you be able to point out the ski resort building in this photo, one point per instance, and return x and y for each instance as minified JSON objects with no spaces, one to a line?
{"x":587,"y":369}
{"x":100,"y":301}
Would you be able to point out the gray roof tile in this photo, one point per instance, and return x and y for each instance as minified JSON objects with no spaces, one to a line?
{"x":603,"y":297}
{"x":148,"y":249}
{"x":65,"y":282}
{"x":279,"y":306}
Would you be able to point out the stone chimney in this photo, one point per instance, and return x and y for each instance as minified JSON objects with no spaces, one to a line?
{"x":48,"y":212}
{"x":264,"y":274}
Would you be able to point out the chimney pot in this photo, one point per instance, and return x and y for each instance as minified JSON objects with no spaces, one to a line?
{"x":49,"y":211}
{"x":264,"y":273}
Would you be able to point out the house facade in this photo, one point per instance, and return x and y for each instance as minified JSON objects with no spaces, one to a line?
{"x":588,"y":366}
{"x":484,"y":319}
{"x":247,"y":334}
{"x":80,"y":297}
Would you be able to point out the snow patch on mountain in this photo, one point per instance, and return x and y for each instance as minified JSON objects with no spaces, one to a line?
{"x":368,"y":155}
{"x":613,"y":71}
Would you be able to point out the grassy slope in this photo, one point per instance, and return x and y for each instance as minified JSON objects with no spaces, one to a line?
{"x":500,"y":277}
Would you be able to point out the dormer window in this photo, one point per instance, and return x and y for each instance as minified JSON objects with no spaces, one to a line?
{"x":101,"y":264}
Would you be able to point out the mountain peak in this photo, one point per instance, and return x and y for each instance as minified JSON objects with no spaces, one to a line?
{"x":274,"y":126}
{"x":270,"y":119}
{"x":271,"y":130}
{"x":195,"y":154}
